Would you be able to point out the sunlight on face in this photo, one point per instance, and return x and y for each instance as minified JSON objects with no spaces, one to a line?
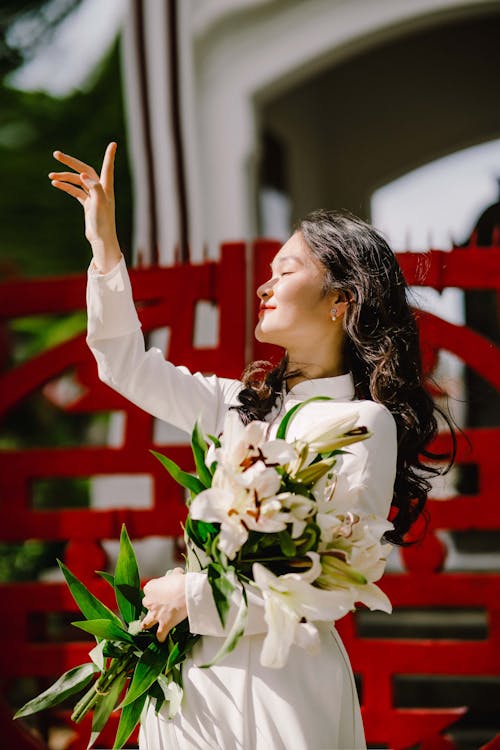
{"x":295,"y":312}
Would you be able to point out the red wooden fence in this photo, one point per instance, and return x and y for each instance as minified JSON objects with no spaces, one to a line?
{"x":167,"y":297}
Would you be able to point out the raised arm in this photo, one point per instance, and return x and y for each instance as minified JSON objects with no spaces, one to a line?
{"x":114,"y":331}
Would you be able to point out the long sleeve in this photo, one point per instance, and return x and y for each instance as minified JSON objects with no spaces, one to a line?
{"x":144,"y":377}
{"x":366,"y":472}
{"x":169,"y":393}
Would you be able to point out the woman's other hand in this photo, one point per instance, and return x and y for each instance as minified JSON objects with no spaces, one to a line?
{"x":165,"y":599}
{"x":96,"y":194}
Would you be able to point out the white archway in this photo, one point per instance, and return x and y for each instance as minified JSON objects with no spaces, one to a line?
{"x":265,"y":48}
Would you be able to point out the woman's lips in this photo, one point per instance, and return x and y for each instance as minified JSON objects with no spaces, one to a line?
{"x":264,"y":309}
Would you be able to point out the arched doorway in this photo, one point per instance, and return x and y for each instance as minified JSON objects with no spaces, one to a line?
{"x":371,"y":118}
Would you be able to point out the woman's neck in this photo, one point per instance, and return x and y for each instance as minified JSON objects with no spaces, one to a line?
{"x":311,"y":372}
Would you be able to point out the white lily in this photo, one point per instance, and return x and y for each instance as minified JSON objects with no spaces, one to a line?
{"x":300,"y":509}
{"x":370,"y":561}
{"x":278,"y":452}
{"x":355,"y":569}
{"x":239,"y":505}
{"x":374,"y":598}
{"x":217,"y":505}
{"x":172,"y":693}
{"x":288,"y":601}
{"x":328,"y":435}
{"x":259,"y":478}
{"x":241,"y":445}
{"x":240,"y":442}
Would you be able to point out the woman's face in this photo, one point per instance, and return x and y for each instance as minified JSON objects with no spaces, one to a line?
{"x":294,"y":311}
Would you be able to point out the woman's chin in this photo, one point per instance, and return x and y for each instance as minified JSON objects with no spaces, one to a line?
{"x":267,"y":337}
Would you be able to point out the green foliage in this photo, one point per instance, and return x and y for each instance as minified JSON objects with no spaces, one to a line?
{"x":43,"y":21}
{"x":234,"y":634}
{"x":287,"y":544}
{"x":21,"y":562}
{"x":129,"y":717}
{"x":32,"y":126}
{"x":89,"y":605}
{"x":222,"y":584}
{"x":105,"y":707}
{"x":152,"y":661}
{"x":283,"y":426}
{"x":42,"y":234}
{"x":69,"y":683}
{"x":104,"y":628}
{"x":181,"y":477}
{"x":199,"y":447}
{"x":123,"y":651}
{"x":127,"y":575}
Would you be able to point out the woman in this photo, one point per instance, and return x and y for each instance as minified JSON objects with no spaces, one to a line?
{"x":336,"y":302}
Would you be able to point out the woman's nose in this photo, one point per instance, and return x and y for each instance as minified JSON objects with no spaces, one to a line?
{"x":265,"y":291}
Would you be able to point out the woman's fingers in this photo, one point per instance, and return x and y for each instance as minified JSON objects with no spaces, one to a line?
{"x":75,"y":192}
{"x":76,"y":164}
{"x":163,"y":631}
{"x":148,"y":621}
{"x":108,"y":166}
{"x":73,"y":177}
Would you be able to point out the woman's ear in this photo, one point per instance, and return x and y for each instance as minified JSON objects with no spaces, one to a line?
{"x":339,"y":303}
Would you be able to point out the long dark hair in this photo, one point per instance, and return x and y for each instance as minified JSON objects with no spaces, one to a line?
{"x":381,"y":351}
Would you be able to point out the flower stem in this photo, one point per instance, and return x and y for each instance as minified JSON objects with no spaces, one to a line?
{"x":101,"y":686}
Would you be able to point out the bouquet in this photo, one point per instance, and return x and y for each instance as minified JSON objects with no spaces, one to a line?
{"x":128,"y":665}
{"x":262,"y":514}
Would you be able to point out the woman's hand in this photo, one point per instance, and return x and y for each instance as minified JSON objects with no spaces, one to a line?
{"x":165,"y":598}
{"x":96,"y":194}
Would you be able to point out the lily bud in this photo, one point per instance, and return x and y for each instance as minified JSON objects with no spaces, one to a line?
{"x":338,"y":573}
{"x":313,"y":473}
{"x":328,"y":435}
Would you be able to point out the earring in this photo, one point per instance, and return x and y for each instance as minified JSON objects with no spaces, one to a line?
{"x":333,"y":313}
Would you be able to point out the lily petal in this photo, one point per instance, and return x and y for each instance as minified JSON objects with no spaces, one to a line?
{"x":374,"y":598}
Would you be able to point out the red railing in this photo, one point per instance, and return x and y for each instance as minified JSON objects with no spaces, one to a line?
{"x":168,"y":297}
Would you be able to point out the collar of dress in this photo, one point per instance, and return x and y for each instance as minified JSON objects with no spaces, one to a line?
{"x":340,"y":387}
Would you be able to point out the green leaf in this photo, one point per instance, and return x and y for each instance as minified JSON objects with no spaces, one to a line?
{"x":156,"y":692}
{"x":149,"y":666}
{"x":281,"y":434}
{"x":309,"y":538}
{"x":129,"y":718}
{"x":104,"y":629}
{"x":234,"y":634}
{"x":127,"y":574}
{"x":181,"y":642}
{"x":107,"y":577}
{"x":199,"y":447}
{"x":67,"y":684}
{"x":200,"y":531}
{"x":181,"y":477}
{"x":215,"y":440}
{"x":287,"y":544}
{"x":222,"y":587}
{"x":176,"y":653}
{"x":90,"y":606}
{"x":105,"y":706}
{"x":133,"y":595}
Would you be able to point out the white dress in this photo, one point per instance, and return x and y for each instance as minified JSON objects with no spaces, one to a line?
{"x":311,"y":703}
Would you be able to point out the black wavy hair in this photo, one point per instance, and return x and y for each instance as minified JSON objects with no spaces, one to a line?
{"x":381,"y":350}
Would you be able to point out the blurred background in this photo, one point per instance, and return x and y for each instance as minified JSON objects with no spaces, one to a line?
{"x":234,"y":118}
